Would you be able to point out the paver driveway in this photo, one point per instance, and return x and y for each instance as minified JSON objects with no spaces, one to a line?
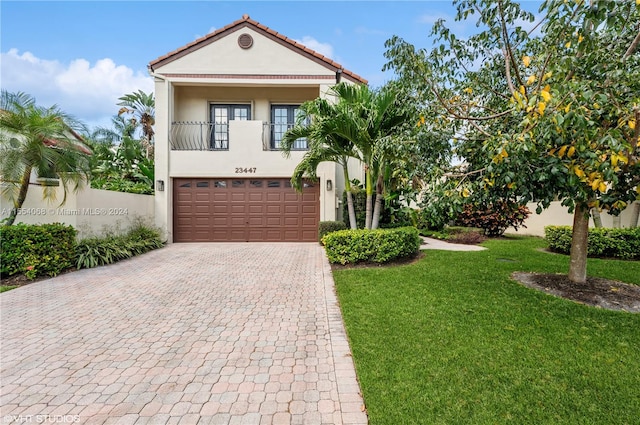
{"x":191,"y":333}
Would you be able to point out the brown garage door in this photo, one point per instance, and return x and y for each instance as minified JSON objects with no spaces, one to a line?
{"x":244,"y":210}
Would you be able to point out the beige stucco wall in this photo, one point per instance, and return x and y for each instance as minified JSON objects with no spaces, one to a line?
{"x":90,"y":211}
{"x":558,"y":215}
{"x":192,"y":103}
{"x":224,"y":56}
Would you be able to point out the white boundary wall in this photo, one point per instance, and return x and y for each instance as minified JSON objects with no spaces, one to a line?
{"x":90,"y":211}
{"x":558,"y":215}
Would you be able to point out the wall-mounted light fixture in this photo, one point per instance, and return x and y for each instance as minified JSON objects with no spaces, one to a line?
{"x":160,"y":185}
{"x":329,"y":185}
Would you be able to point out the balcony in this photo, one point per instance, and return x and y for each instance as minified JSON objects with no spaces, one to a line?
{"x":209,"y":136}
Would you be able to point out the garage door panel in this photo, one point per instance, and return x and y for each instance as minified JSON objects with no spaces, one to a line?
{"x":291,"y":221}
{"x":256,"y":197}
{"x":274,"y":197}
{"x":255,"y":221}
{"x":238,"y":197}
{"x":308,"y":209}
{"x":225,"y":209}
{"x":291,"y":235}
{"x":219,"y":209}
{"x":203,"y":209}
{"x":221,"y":221}
{"x":308,"y":221}
{"x":273,"y":235}
{"x":273,"y":221}
{"x":202,"y":197}
{"x":220,"y":196}
{"x":291,"y":209}
{"x":184,"y":197}
{"x":236,"y":209}
{"x":255,"y":209}
{"x":273,"y":209}
{"x":309,"y":235}
{"x":237,"y":221}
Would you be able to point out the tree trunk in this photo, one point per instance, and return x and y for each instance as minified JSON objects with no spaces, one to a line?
{"x":579,"y":240}
{"x":353,"y":223}
{"x":635,"y":214}
{"x":597,"y":220}
{"x":22,"y":195}
{"x":378,"y":205}
{"x":369,"y":207}
{"x":616,"y":222}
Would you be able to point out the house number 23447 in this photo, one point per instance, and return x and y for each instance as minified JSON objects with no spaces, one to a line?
{"x":240,"y":170}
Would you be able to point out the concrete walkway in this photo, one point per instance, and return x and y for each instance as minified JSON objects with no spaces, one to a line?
{"x":188,"y":334}
{"x":430,"y":243}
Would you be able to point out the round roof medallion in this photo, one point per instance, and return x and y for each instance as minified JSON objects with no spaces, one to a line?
{"x":245,"y":41}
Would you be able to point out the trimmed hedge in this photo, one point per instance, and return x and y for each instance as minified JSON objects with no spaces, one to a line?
{"x":326,"y":227}
{"x":602,"y":242}
{"x":36,"y":249}
{"x":378,"y":246}
{"x":98,"y":251}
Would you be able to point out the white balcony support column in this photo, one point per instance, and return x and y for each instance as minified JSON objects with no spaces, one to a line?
{"x":163,"y":199}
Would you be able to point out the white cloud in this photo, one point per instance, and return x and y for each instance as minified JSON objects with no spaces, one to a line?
{"x":87,"y":91}
{"x":324,"y":49}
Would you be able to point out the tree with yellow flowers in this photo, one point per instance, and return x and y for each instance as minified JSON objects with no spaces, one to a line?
{"x":544,"y":117}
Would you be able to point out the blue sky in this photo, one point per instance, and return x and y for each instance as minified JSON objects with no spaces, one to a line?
{"x":83,"y":55}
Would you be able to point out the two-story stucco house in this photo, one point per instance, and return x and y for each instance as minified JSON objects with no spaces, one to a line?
{"x":223,"y":104}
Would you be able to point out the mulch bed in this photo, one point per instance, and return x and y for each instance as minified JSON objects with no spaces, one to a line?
{"x":596,"y":292}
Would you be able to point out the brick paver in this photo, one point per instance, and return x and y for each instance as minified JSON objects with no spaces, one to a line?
{"x":188,"y":334}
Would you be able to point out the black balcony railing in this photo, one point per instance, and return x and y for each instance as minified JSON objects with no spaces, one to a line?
{"x":276,"y":134}
{"x":198,"y":136}
{"x":209,"y":136}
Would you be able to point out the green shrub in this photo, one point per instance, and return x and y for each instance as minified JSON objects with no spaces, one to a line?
{"x":36,"y":250}
{"x":378,"y":246}
{"x":494,"y":218}
{"x":602,"y":242}
{"x":101,"y":250}
{"x":326,"y":227}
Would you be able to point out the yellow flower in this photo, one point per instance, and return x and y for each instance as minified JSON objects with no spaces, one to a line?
{"x":545,"y":95}
{"x":531,"y":80}
{"x":526,"y":60}
{"x":541,"y":108}
{"x":632,"y":123}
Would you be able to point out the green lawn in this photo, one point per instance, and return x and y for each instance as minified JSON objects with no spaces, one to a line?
{"x":452,"y":339}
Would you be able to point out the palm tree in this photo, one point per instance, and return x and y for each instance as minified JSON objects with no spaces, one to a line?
{"x":44,"y":140}
{"x":361,"y":124}
{"x":371,"y":120}
{"x":142,"y":107}
{"x":319,"y":122}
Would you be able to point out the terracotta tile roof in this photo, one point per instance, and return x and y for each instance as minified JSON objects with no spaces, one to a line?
{"x":246,"y":21}
{"x":78,"y":144}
